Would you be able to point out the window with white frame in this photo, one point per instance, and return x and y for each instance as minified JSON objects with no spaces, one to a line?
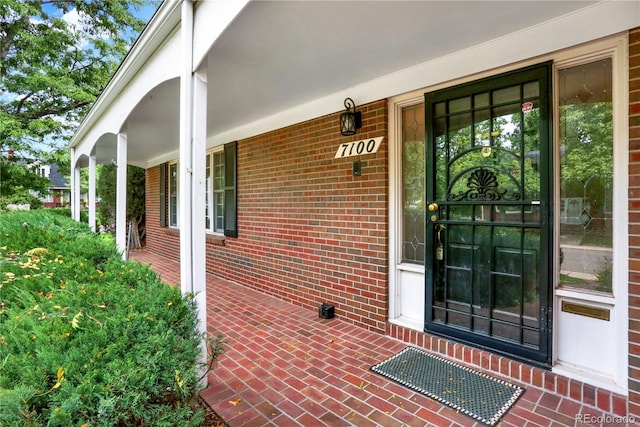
{"x":214,"y":192}
{"x":220,"y":192}
{"x":173,"y":194}
{"x":585,"y":123}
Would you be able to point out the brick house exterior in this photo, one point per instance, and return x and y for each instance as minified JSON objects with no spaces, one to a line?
{"x":316,"y":233}
{"x":310,"y":230}
{"x":634,"y":221}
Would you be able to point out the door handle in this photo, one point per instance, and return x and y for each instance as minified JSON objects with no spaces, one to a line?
{"x":440,"y":247}
{"x":439,"y":229}
{"x":433,"y":207}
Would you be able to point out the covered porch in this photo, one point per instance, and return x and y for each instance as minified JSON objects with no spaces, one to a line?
{"x":285,"y":366}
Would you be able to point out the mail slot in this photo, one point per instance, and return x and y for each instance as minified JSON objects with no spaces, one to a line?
{"x":586,"y":310}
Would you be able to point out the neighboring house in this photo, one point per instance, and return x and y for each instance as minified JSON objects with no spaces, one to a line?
{"x":487,"y":208}
{"x":60,"y":194}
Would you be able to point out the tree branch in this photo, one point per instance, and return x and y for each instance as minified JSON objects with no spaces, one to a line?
{"x":56,"y":111}
{"x":22,"y":101}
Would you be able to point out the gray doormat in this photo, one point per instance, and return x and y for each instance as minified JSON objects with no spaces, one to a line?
{"x":477,"y":395}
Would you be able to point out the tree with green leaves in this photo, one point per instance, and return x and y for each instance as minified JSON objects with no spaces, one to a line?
{"x":587,"y":141}
{"x":106,"y":190}
{"x":19,"y":182}
{"x":55,"y":59}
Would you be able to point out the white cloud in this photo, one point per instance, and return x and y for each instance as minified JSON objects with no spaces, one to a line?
{"x":78,"y":23}
{"x":72,"y":18}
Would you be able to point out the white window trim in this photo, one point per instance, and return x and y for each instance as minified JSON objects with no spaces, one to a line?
{"x":615,"y":48}
{"x":395,"y":208}
{"x":177,"y":185}
{"x":210,"y":203}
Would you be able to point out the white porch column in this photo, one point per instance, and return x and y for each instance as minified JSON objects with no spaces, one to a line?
{"x":75,"y":194}
{"x":121,"y":194}
{"x":91,"y":197}
{"x":192,"y":175}
{"x":185,"y":167}
{"x":73,"y":184}
{"x":198,"y":234}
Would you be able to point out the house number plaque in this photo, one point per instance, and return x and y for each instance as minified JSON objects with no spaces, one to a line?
{"x":359,"y":148}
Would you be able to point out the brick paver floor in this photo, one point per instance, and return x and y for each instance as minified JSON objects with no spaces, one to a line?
{"x":284,"y":366}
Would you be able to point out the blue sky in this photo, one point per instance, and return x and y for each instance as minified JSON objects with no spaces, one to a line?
{"x":144,"y":12}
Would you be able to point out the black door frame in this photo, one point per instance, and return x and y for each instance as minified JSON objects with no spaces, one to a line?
{"x":543,"y":355}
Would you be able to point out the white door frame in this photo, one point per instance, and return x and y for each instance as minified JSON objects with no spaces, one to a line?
{"x":615,"y":47}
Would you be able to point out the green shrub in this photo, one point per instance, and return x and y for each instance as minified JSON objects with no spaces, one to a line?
{"x":25,"y":230}
{"x":87,"y":339}
{"x":20,"y":199}
{"x":66,"y":212}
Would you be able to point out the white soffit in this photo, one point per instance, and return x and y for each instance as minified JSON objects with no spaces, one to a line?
{"x":284,"y":62}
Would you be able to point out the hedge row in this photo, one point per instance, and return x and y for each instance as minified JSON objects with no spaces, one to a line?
{"x":87,"y":339}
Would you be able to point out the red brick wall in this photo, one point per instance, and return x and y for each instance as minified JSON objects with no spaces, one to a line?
{"x":308,"y":230}
{"x":161,"y":240}
{"x":634,"y":222}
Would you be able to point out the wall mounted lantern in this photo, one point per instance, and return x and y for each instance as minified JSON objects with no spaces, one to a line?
{"x":351,"y":119}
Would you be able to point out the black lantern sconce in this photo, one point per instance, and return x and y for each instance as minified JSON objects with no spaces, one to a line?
{"x":351,"y":119}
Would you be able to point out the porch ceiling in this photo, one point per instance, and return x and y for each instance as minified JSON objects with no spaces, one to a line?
{"x":279,"y":55}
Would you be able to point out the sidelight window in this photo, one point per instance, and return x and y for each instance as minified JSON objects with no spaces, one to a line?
{"x":413,"y":170}
{"x":586,"y":176}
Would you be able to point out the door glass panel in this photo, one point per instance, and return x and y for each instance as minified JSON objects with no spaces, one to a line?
{"x":440,"y":130}
{"x":482,"y":281}
{"x":508,"y":213}
{"x":459,"y":234}
{"x":506,"y":330}
{"x":530,"y":337}
{"x":532,"y":153}
{"x":460,"y":135}
{"x":586,"y":176}
{"x":460,"y":212}
{"x":459,"y":277}
{"x":506,"y":127}
{"x":531,"y":90}
{"x":459,"y":105}
{"x":482,"y":131}
{"x":509,"y":94}
{"x":483,"y":213}
{"x":481,"y":100}
{"x":481,"y":325}
{"x":413,"y":169}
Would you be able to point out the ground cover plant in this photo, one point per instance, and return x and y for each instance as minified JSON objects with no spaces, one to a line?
{"x":87,"y":339}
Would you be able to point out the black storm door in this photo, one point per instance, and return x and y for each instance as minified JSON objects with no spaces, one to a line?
{"x":487,"y":226}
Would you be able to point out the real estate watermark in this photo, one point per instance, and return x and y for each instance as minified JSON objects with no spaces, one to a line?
{"x":605,"y":419}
